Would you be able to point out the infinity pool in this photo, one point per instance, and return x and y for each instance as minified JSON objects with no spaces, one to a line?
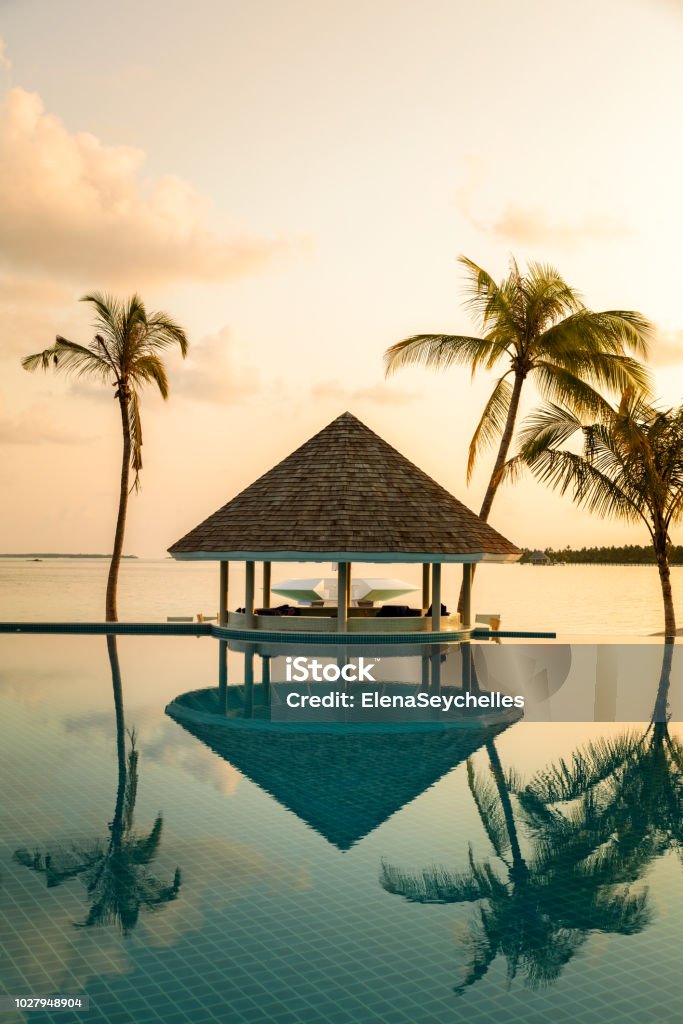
{"x":184,"y":871}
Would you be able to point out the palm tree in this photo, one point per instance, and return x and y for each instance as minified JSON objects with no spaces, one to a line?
{"x":630,"y":466}
{"x":118,"y":880}
{"x":540,"y":909}
{"x":125,"y":352}
{"x":536,"y":326}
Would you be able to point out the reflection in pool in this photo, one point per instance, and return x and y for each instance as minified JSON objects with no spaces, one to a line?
{"x":116,"y":872}
{"x":504,"y":871}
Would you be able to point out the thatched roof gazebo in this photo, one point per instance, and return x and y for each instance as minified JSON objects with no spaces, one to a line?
{"x":344,"y":496}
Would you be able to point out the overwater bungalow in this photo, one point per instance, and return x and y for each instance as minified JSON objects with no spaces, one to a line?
{"x":347,"y":497}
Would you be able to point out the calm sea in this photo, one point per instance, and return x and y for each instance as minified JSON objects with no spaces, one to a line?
{"x":570,"y":599}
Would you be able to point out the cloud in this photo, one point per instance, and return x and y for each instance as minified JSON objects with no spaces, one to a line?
{"x":532,"y":226}
{"x":77,"y":208}
{"x":376,"y":394}
{"x":5,"y":62}
{"x":527,"y":224}
{"x":667,"y":349}
{"x":213,"y":372}
{"x":32,"y":427}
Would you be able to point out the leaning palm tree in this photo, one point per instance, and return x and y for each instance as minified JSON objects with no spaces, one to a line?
{"x":536,"y":326}
{"x":126,"y":353}
{"x":630,"y":466}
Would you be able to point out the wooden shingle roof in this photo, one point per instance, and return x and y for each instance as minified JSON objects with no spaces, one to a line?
{"x":345,"y":492}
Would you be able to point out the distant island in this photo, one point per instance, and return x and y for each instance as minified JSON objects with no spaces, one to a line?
{"x":627,"y":554}
{"x":55,"y":554}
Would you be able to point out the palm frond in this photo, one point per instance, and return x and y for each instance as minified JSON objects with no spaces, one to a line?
{"x":439,"y":885}
{"x":440,"y":351}
{"x":490,"y":811}
{"x":135,"y":429}
{"x":615,"y":331}
{"x":71,"y":358}
{"x":164,"y":332}
{"x":149,"y":368}
{"x":588,"y":767}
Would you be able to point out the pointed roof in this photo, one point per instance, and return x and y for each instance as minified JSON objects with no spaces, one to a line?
{"x":345,"y":495}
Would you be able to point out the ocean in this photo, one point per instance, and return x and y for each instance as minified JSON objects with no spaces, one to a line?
{"x":572,"y":600}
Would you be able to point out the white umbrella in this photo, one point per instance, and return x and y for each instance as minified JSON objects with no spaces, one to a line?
{"x":325,"y":589}
{"x":378,"y":589}
{"x":304,"y":591}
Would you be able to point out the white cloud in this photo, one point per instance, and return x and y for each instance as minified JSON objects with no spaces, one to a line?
{"x":82,"y":210}
{"x":214,"y":372}
{"x":374,"y":394}
{"x":528,"y":224}
{"x":33,"y":427}
{"x":5,"y":62}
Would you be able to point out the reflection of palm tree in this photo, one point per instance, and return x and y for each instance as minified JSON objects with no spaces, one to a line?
{"x":540,"y":909}
{"x":116,"y":872}
{"x":628,"y":791}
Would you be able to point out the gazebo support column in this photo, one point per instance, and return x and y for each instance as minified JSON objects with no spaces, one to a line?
{"x":249,"y":595}
{"x":425,"y":587}
{"x":467,"y":573}
{"x":342,"y":597}
{"x":436,"y":597}
{"x":223,"y":674}
{"x":223,"y":595}
{"x":266,"y":584}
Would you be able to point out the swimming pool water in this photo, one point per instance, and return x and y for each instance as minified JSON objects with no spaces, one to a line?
{"x":199,"y":876}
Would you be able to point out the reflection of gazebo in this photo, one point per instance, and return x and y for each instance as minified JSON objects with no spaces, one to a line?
{"x":344,"y":784}
{"x":344,"y":496}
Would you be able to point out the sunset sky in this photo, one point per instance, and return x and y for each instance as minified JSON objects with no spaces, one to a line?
{"x":293,"y":181}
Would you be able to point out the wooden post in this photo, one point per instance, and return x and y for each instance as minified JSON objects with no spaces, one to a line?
{"x":467,"y":595}
{"x":249,"y":595}
{"x":223,"y":595}
{"x":266,"y":584}
{"x":249,"y":678}
{"x":436,"y":597}
{"x":265,"y":679}
{"x":223,"y":674}
{"x":425,"y":587}
{"x":342,"y":597}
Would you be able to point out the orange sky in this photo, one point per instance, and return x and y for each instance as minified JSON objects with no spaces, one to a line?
{"x":294,"y":182}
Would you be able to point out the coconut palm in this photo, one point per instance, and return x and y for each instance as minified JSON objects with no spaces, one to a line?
{"x":126,"y":353}
{"x":540,"y":909}
{"x":630,"y":466}
{"x":535,"y":326}
{"x":117,"y":871}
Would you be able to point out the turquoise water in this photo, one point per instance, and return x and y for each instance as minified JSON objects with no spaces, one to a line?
{"x":200,"y":874}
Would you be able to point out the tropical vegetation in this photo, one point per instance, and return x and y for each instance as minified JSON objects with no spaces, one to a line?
{"x":629,"y":465}
{"x":126,"y":352}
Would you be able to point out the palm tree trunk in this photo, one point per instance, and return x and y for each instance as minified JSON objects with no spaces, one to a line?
{"x":519,"y":866}
{"x":113,"y":578}
{"x":117,"y":821}
{"x":667,"y":596}
{"x":501,"y":459}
